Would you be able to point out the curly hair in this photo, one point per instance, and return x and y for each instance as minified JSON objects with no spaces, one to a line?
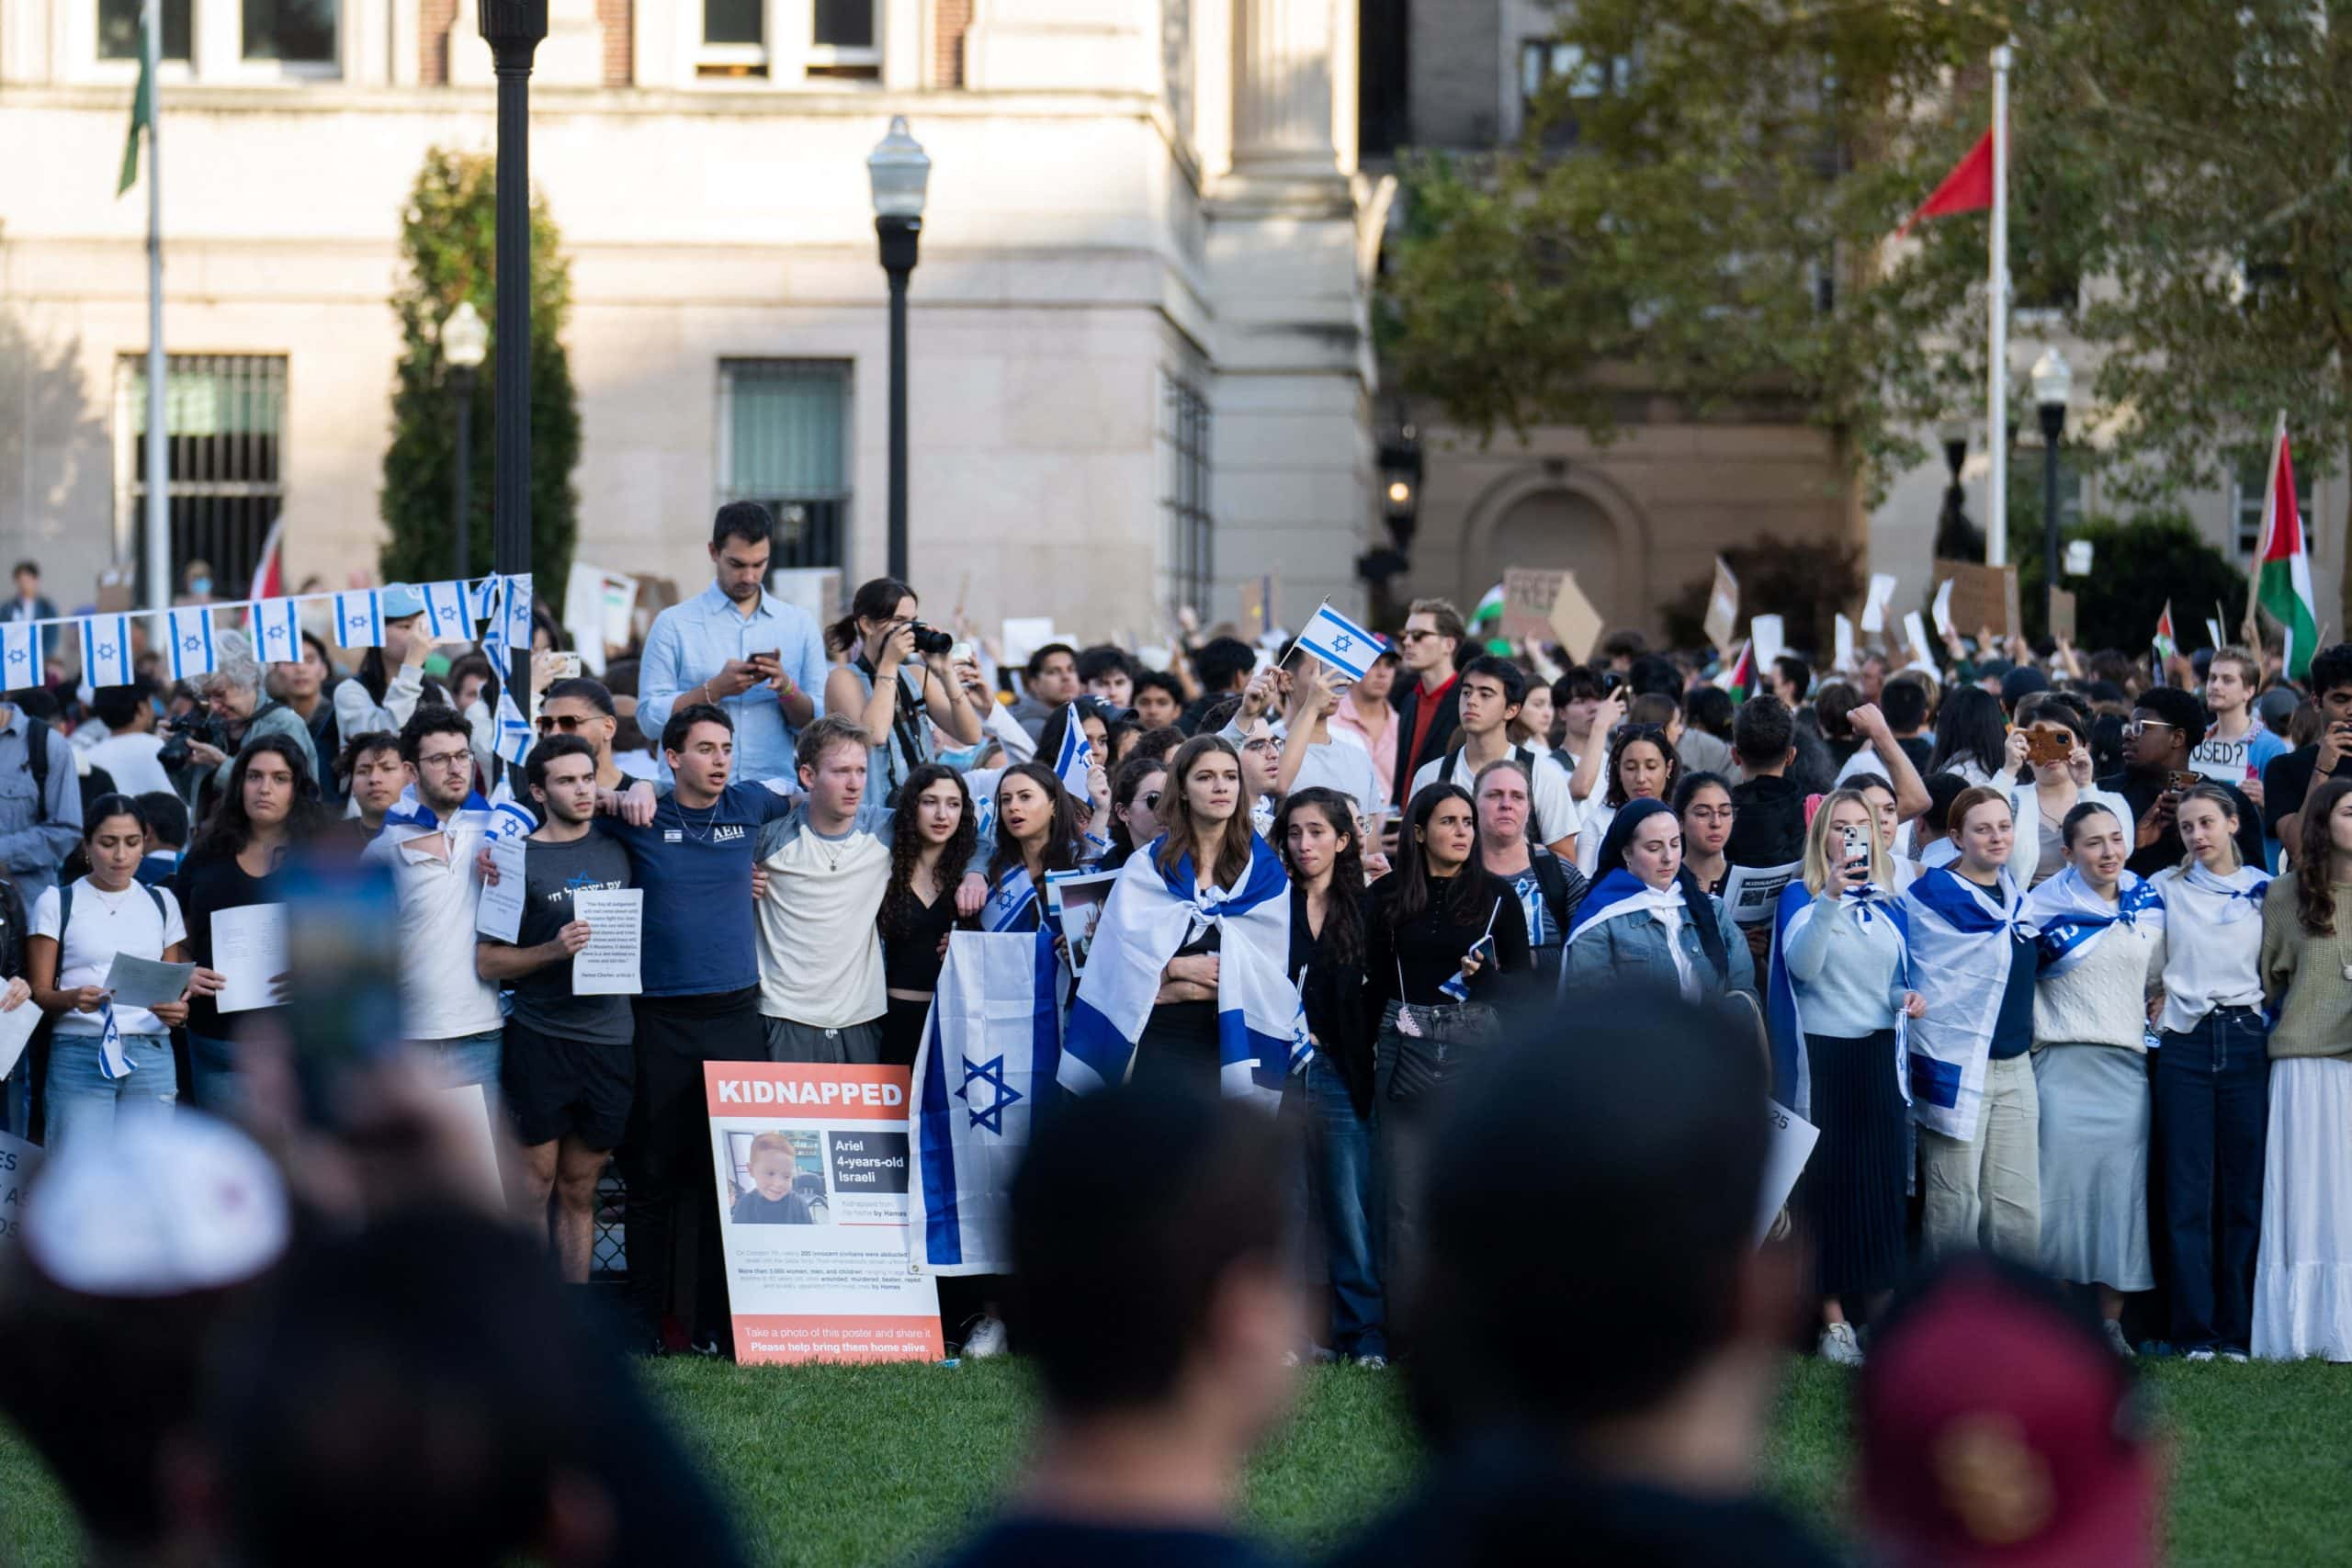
{"x":899,"y":899}
{"x":1614,"y":794}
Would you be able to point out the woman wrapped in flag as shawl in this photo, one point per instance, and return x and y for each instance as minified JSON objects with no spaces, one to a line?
{"x":1646,"y":917}
{"x":1039,"y":828}
{"x":1187,"y":978}
{"x":1972,"y":1088}
{"x":1841,"y":997}
{"x":2100,"y":949}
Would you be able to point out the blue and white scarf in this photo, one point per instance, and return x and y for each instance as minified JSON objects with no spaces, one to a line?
{"x":2069,"y":919}
{"x":2205,"y":897}
{"x":1960,"y":947}
{"x":1261,"y":1025}
{"x":499,"y":816}
{"x":1784,"y":1019}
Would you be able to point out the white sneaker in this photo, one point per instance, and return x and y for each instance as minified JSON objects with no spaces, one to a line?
{"x":1373,"y":1363}
{"x":1838,"y":1345}
{"x":2240,"y":1356}
{"x":2198,"y":1356}
{"x":2115,"y":1340}
{"x":987,"y":1339}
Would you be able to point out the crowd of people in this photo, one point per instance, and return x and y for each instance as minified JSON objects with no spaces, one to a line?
{"x":2044,"y":946}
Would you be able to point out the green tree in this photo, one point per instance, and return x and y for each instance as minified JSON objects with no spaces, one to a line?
{"x":1805,"y":583}
{"x":448,"y":241}
{"x":2136,"y":566}
{"x":1723,"y":229}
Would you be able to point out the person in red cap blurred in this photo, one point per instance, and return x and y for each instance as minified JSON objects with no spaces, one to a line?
{"x":1997,"y":1430}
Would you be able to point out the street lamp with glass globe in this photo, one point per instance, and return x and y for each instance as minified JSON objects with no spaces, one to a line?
{"x":465,"y":343}
{"x":900,"y":171}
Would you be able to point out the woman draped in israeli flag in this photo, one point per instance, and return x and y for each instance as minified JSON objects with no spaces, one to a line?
{"x":1039,"y":828}
{"x":1840,"y":996}
{"x":1187,"y":978}
{"x":1971,"y":1087}
{"x":2099,"y":944}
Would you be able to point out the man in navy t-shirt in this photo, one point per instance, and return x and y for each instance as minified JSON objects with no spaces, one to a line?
{"x":701,"y":1003}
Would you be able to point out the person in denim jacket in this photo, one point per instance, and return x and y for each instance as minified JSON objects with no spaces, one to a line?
{"x":1647,"y":920}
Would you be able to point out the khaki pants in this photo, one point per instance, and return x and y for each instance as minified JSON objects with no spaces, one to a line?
{"x":1988,"y":1191}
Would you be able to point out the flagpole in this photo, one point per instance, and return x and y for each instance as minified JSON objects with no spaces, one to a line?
{"x":159,"y":526}
{"x":1997,"y":310}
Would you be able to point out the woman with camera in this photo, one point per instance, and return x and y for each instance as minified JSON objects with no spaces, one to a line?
{"x":2053,"y":739}
{"x":1840,"y":981}
{"x":898,"y":682}
{"x":240,"y":714}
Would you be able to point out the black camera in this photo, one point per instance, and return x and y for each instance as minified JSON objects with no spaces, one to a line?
{"x":930,"y":640}
{"x":188,"y":729}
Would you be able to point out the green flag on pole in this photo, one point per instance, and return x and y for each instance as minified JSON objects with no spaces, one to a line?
{"x":142,"y":113}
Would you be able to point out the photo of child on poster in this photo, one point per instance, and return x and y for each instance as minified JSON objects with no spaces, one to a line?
{"x":778,"y":1180}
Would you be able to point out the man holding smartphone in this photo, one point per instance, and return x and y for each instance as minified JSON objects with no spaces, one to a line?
{"x":2288,"y":779}
{"x":737,"y":648}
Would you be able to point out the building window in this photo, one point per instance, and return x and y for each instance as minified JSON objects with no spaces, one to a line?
{"x":1543,"y":62}
{"x":295,"y":32}
{"x":843,"y":40}
{"x":784,"y":442}
{"x":224,"y":428}
{"x":2249,"y":484}
{"x":726,"y":22}
{"x":118,"y":29}
{"x":1187,"y":533}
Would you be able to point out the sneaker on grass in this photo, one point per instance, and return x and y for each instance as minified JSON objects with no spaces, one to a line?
{"x":988,"y":1338}
{"x":2115,"y":1340}
{"x":2199,"y":1354}
{"x":1838,"y":1345}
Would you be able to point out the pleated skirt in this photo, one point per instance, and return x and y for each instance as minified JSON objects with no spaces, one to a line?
{"x":1851,"y":1199}
{"x":2095,"y":1116}
{"x":2302,"y":1276}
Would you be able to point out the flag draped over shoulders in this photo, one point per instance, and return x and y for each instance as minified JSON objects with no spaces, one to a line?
{"x":1784,"y":1018}
{"x":1960,"y":936}
{"x":1151,"y":914}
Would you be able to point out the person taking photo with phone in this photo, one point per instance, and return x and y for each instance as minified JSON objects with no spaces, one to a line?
{"x":2166,"y":725}
{"x":2288,"y":779}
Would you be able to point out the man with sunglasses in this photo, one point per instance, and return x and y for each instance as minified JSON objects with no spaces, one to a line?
{"x":2166,"y":724}
{"x":1429,"y":706}
{"x":583,"y":707}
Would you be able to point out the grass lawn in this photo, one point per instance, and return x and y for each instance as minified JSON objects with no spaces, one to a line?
{"x":875,"y":1464}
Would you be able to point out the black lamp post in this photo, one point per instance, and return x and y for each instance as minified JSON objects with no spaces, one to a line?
{"x":513,"y":28}
{"x":2053,"y":380}
{"x":465,"y":341}
{"x":900,"y":171}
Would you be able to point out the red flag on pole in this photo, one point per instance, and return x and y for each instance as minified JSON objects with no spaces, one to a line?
{"x":1968,"y":189}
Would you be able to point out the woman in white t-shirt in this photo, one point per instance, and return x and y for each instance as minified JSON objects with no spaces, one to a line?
{"x":105,"y":1056}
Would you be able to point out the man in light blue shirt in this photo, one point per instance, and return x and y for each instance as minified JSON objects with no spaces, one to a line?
{"x":738,"y":647}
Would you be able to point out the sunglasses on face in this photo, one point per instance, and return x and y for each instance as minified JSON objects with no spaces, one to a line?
{"x":1413,"y":637}
{"x":550,"y":723}
{"x":2139,"y":727}
{"x":1151,"y":800}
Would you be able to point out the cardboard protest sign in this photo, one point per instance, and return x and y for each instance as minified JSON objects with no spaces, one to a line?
{"x":1528,"y":596}
{"x":812,"y":1164}
{"x":1982,"y":596}
{"x":2062,"y":615}
{"x":1574,"y":621}
{"x":1257,"y":607}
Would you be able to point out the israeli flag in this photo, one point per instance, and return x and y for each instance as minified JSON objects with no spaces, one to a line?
{"x":278,"y":631}
{"x":113,"y":1064}
{"x":517,"y":607}
{"x":1013,"y":902}
{"x":359,"y":619}
{"x":190,"y":635}
{"x":1880,"y":918}
{"x":513,"y":742}
{"x":446,"y":612}
{"x":20,"y":655}
{"x":481,"y":597}
{"x":105,"y":650}
{"x":1340,"y":643}
{"x":990,"y":1050}
{"x":1148,"y":916}
{"x":1076,"y":759}
{"x":2068,"y":919}
{"x":1960,"y":936}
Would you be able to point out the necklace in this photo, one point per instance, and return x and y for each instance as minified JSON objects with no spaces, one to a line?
{"x":709,"y":820}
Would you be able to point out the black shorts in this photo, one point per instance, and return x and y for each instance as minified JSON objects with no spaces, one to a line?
{"x":555,"y":1086}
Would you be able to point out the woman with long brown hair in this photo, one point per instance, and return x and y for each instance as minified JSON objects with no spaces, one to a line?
{"x":1165,"y":994}
{"x":1038,"y":831}
{"x":933,"y":833}
{"x":2302,"y":1279}
{"x":895,"y":690}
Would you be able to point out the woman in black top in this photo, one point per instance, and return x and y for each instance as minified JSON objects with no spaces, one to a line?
{"x":1208,"y":838}
{"x":1315,"y":833}
{"x":934,"y":829}
{"x":1423,"y":921}
{"x":1134,"y":809}
{"x":271,"y":805}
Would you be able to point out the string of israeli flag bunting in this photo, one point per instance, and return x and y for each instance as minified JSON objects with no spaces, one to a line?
{"x":454,"y":612}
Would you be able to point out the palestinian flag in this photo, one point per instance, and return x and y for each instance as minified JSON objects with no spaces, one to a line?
{"x":2282,"y":581}
{"x":1739,"y":676}
{"x":2162,"y":641}
{"x":1487,"y":624}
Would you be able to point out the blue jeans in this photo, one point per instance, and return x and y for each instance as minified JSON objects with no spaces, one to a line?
{"x":471,"y":1058}
{"x":212,"y":1075}
{"x":1342,"y":1180}
{"x":82,"y":1102}
{"x":2212,"y":1108}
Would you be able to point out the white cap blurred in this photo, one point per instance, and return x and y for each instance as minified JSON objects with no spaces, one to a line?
{"x":167,"y":1204}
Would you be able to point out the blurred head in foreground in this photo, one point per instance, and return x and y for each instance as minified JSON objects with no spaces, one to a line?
{"x":1150,"y":1286}
{"x":1997,"y":1430}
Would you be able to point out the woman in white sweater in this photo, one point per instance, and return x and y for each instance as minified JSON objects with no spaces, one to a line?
{"x":2099,"y":939}
{"x":1840,"y":981}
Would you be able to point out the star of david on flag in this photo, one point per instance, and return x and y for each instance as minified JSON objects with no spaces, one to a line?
{"x":278,"y":631}
{"x":987,"y":1079}
{"x":189,"y":636}
{"x":446,"y":614}
{"x":359,"y":619}
{"x":514,"y":731}
{"x":1340,"y":643}
{"x":20,"y":655}
{"x":105,"y":650}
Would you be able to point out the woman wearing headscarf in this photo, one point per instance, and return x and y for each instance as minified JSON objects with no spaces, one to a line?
{"x":1646,"y":917}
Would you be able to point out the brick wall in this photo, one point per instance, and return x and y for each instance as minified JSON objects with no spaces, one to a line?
{"x":434,"y":19}
{"x":951,"y":20}
{"x":617,"y":18}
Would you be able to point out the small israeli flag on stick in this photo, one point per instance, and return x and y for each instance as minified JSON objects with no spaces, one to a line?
{"x":359,"y":619}
{"x":105,"y":650}
{"x":278,"y":631}
{"x":189,"y":633}
{"x":1340,"y":643}
{"x":446,"y":612}
{"x":1076,"y":755}
{"x":19,"y":655}
{"x":518,"y":605}
{"x":113,"y":1065}
{"x":514,"y":731}
{"x":481,"y":597}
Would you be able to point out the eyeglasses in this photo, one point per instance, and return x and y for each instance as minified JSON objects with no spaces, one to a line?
{"x":1262,"y":747}
{"x":568,"y":723}
{"x":2139,"y":727}
{"x":444,"y":760}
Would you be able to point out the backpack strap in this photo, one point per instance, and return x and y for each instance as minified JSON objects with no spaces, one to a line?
{"x":1553,"y":882}
{"x":66,"y":909}
{"x":1535,"y":834}
{"x":37,"y":736}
